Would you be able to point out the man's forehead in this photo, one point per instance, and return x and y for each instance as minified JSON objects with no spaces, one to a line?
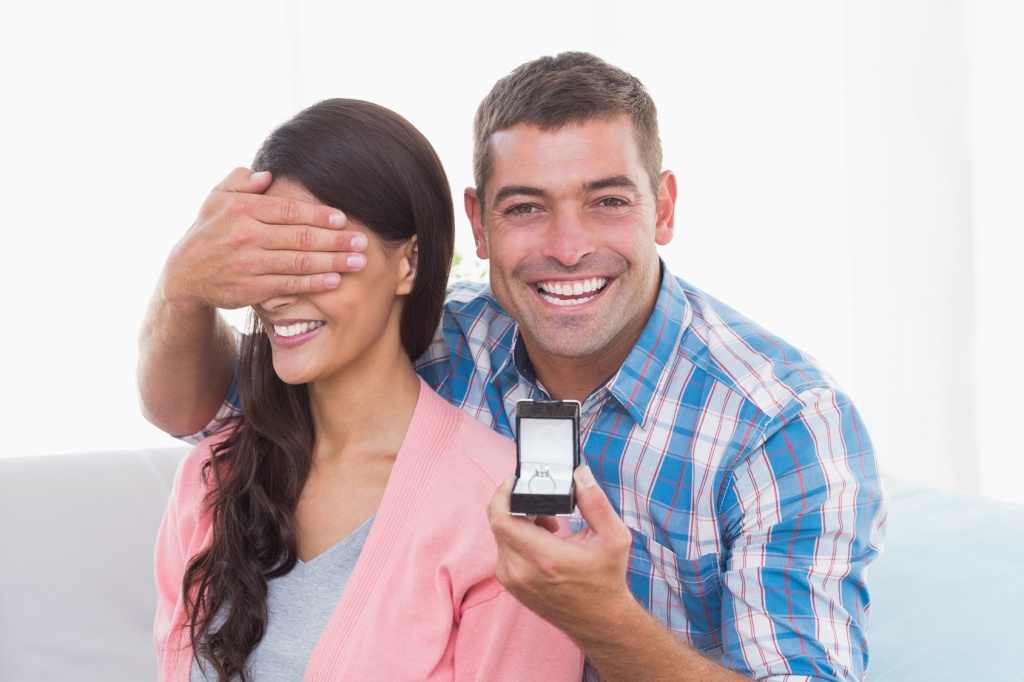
{"x":577,"y":156}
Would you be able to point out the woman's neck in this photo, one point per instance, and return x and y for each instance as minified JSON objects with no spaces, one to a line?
{"x":365,"y":411}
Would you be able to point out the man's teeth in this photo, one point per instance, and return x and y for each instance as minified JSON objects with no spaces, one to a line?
{"x":549,"y":290}
{"x":297,"y":328}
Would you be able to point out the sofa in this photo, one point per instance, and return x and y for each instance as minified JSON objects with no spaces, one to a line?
{"x":77,"y":595}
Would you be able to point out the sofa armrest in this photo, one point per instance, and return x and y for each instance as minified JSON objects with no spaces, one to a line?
{"x":77,"y":593}
{"x":947,"y":593}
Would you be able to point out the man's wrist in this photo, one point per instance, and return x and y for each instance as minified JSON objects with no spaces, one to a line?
{"x":629,"y":644}
{"x":181,"y":305}
{"x":602,"y":627}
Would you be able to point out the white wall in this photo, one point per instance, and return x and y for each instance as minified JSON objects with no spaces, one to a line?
{"x":120,"y":116}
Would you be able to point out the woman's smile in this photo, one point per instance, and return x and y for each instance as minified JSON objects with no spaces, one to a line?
{"x":292,"y":333}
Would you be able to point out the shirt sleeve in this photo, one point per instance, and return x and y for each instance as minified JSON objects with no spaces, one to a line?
{"x":499,"y":639}
{"x":804,"y":515}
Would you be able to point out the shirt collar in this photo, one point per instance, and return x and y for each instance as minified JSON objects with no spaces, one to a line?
{"x":636,"y":381}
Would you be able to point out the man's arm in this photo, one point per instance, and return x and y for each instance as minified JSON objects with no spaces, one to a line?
{"x":243,"y":248}
{"x":803,"y":515}
{"x":578,"y":584}
{"x":186,"y":358}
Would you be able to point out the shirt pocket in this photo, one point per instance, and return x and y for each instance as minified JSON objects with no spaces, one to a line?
{"x":684,"y":594}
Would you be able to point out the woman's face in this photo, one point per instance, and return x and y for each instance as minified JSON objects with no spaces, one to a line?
{"x":348,"y":330}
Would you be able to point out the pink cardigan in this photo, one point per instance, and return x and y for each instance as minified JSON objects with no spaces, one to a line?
{"x":423,"y":602}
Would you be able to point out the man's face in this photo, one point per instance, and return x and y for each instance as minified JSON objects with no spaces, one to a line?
{"x":570,"y":225}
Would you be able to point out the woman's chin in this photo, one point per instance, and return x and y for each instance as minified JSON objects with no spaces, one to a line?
{"x":293,"y":375}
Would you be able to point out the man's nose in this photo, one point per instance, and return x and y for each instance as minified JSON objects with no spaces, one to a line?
{"x":569,"y":238}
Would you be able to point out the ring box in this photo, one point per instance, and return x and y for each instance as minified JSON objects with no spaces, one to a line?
{"x":547,"y":454}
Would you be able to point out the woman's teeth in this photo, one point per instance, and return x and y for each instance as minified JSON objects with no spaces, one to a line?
{"x":551,"y":290}
{"x":297,"y":328}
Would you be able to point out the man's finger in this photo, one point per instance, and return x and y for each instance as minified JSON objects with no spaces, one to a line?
{"x":501,"y":501}
{"x":594,"y":506}
{"x":310,"y":238}
{"x":551,"y":524}
{"x":311,"y":284}
{"x":528,"y":540}
{"x":244,"y":180}
{"x":301,"y":263}
{"x":287,"y":211}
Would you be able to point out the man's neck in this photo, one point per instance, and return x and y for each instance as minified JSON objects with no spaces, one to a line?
{"x":570,"y":387}
{"x":573,"y":378}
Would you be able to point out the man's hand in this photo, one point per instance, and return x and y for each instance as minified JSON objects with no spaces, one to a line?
{"x":245,"y":247}
{"x":569,"y":581}
{"x":578,"y":583}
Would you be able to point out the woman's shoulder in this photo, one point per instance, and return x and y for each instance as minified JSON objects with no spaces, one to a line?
{"x":466,"y":444}
{"x":480,"y":451}
{"x":188,"y":480}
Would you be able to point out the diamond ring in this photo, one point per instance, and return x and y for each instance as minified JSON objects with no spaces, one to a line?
{"x":542,"y":480}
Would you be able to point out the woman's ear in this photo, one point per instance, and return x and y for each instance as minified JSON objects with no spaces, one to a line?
{"x":408,"y":258}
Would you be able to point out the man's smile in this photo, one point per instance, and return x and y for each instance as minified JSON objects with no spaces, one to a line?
{"x":571,"y":292}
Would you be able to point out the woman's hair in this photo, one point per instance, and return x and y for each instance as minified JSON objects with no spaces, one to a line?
{"x":376,"y":167}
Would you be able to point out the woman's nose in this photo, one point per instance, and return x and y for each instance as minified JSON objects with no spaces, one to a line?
{"x":279,"y":302}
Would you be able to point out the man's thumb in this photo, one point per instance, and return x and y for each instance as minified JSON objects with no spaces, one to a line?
{"x":592,"y":501}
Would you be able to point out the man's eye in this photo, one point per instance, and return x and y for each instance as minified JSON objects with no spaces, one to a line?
{"x":521,"y":209}
{"x":612,"y":202}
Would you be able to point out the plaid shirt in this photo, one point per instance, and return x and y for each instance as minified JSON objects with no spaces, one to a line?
{"x":745,"y":475}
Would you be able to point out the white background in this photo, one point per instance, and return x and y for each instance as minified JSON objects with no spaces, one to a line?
{"x":850,"y":177}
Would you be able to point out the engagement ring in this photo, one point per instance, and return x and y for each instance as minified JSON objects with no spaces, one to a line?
{"x":542,"y":479}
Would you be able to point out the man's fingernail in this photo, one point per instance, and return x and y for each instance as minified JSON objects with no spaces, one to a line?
{"x":584,"y":477}
{"x":259,"y":175}
{"x":359,"y":241}
{"x":336,"y":220}
{"x":332,"y":279}
{"x":356,"y":260}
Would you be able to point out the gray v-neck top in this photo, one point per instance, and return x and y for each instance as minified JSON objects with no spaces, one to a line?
{"x":299,"y":605}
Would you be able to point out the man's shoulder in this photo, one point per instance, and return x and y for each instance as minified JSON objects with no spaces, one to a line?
{"x":471,"y":311}
{"x":470,"y":297}
{"x":756,"y":363}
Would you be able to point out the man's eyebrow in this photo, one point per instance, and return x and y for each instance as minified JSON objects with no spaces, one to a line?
{"x":618,"y":181}
{"x":517,"y":190}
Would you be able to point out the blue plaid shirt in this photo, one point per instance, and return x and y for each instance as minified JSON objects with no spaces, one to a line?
{"x":745,"y":475}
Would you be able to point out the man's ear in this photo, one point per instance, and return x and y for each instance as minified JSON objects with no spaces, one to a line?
{"x":664,"y":229}
{"x":408,"y":260}
{"x":476,"y":220}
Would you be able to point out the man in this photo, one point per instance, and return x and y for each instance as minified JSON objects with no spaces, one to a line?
{"x":730,"y":499}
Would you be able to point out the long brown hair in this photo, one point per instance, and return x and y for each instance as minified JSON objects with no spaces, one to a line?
{"x":376,"y":167}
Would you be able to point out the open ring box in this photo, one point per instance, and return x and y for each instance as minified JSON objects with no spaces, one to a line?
{"x":547,"y":454}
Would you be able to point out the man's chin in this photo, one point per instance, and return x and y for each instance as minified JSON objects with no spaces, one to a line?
{"x":579,"y":345}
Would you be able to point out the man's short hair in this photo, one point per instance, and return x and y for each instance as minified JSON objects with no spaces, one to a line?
{"x":569,"y":88}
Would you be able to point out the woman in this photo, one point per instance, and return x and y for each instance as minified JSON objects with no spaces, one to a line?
{"x":337,"y":530}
